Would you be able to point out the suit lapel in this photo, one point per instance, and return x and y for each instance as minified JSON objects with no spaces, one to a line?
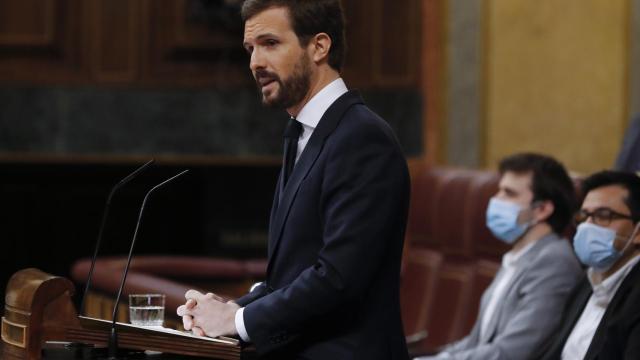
{"x":274,"y":206}
{"x":582,"y":297}
{"x":523,"y":267}
{"x":280,"y":187}
{"x":326,"y":126}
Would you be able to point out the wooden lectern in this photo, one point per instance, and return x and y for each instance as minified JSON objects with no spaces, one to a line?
{"x":38,"y":308}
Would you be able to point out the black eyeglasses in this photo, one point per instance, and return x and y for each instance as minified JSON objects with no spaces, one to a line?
{"x":601,"y":216}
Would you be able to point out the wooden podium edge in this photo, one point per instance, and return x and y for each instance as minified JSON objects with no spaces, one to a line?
{"x":38,"y":308}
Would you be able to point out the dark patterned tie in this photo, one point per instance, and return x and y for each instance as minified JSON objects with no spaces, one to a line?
{"x":291,"y":135}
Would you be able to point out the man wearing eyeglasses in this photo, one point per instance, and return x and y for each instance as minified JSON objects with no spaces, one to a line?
{"x":602,"y":317}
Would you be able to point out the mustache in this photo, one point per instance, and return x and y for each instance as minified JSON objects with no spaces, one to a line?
{"x":262,"y":75}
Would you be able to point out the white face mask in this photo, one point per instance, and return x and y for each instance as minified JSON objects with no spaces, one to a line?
{"x":502,"y":220}
{"x":593,"y":245}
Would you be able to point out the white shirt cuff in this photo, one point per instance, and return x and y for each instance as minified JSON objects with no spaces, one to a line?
{"x":242,"y":331}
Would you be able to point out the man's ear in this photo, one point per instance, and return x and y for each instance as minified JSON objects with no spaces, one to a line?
{"x":320,"y":46}
{"x":544,"y":210}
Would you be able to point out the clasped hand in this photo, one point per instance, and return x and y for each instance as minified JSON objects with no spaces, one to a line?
{"x":208,"y":315}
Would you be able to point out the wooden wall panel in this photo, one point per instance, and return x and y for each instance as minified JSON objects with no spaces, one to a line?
{"x":116,"y":35}
{"x":358,"y":63}
{"x":169,"y":43}
{"x":29,"y":22}
{"x":191,"y":32}
{"x":383,"y":43}
{"x":42,"y":40}
{"x":181,"y":50}
{"x":433,"y":69}
{"x":396,"y":51}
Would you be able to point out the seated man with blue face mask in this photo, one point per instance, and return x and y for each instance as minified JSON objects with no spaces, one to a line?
{"x":602,"y":317}
{"x":520,"y":309}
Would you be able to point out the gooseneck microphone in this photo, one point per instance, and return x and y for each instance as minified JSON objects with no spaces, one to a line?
{"x":105,"y":214}
{"x":113,"y":338}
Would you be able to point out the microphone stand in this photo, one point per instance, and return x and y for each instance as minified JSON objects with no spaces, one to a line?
{"x":105,"y":214}
{"x":113,"y":337}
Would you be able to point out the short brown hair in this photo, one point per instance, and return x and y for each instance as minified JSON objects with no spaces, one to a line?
{"x":550,"y":181}
{"x":309,"y":18}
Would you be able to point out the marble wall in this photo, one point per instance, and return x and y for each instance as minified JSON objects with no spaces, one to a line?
{"x":464,"y":101}
{"x":122,"y":122}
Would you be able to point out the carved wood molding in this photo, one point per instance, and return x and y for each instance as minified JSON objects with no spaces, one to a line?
{"x":42,"y":41}
{"x":14,"y":31}
{"x":162,"y":43}
{"x":432,"y":78}
{"x":115,"y":40}
{"x":396,"y":45}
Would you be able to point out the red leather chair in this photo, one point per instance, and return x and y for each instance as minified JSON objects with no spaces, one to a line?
{"x":484,"y":272}
{"x":418,"y":289}
{"x":444,"y":272}
{"x":451,"y":304}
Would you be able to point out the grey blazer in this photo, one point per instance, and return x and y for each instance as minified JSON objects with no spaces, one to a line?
{"x":531,"y":309}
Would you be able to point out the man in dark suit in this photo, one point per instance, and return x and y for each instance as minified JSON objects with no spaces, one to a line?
{"x":340,"y":208}
{"x":602,"y":319}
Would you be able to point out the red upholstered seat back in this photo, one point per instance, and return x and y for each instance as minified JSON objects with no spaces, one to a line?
{"x":449,"y":251}
{"x":446,"y":235}
{"x":420,"y":276}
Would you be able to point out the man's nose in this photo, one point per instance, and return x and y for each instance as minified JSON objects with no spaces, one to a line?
{"x":257,"y":60}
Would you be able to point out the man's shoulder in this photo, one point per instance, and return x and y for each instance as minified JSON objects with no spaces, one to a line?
{"x":556,"y":252}
{"x":349,"y":114}
{"x":360,"y":119}
{"x":358,"y":127}
{"x":555,"y":246}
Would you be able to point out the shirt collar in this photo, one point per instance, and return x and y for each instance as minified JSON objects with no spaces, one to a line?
{"x":313,"y":110}
{"x":604,"y":291}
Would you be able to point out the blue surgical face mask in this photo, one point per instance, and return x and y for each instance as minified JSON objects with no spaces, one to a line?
{"x":502,"y":220}
{"x":594,"y":246}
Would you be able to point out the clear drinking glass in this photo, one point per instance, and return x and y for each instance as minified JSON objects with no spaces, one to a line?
{"x":146,"y":309}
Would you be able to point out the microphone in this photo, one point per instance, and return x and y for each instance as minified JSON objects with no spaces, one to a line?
{"x":105,"y":214}
{"x":113,"y":338}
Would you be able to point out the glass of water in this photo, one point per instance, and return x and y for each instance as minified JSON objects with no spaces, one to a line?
{"x":146,"y":309}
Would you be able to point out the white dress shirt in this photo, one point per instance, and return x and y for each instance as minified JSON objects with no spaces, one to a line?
{"x":313,"y":111}
{"x":580,"y":338}
{"x":309,"y":117}
{"x":510,"y":264}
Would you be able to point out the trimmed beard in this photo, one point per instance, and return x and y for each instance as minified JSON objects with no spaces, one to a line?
{"x":293,"y":89}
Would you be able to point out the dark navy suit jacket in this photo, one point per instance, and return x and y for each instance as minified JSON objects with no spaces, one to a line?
{"x":618,"y":334}
{"x":335,"y":245}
